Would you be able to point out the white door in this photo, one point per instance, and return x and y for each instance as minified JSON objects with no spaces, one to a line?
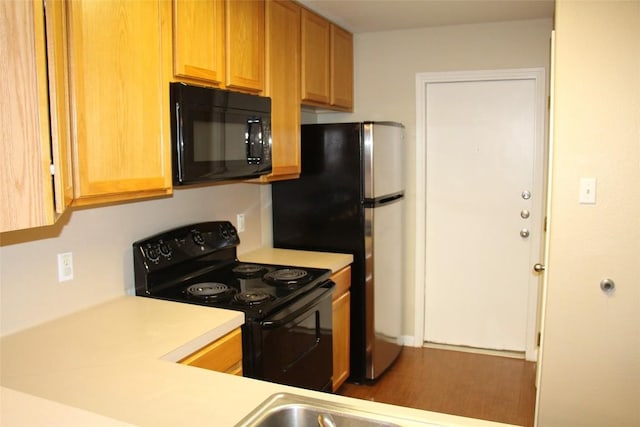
{"x":484,"y":193}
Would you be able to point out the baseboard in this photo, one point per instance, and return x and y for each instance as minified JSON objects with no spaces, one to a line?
{"x":409,"y":341}
{"x":502,"y":353}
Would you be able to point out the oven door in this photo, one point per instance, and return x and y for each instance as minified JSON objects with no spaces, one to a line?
{"x":294,"y":346}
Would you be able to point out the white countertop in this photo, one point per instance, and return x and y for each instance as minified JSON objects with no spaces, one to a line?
{"x":114,"y":364}
{"x":21,"y":409}
{"x":332,"y":261}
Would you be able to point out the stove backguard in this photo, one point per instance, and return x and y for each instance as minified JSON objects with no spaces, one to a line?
{"x":167,"y":258}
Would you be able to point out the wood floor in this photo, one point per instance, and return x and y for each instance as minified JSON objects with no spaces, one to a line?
{"x":460,"y":383}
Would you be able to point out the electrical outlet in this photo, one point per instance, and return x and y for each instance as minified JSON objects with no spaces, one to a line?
{"x":65,"y":267}
{"x":240,"y":222}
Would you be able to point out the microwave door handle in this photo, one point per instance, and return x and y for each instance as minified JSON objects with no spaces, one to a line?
{"x":180,"y":142}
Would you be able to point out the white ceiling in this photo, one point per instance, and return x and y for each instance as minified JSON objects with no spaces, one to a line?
{"x":362,"y":16}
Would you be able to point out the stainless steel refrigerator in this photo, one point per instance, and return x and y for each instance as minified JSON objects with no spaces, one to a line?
{"x":350,"y":199}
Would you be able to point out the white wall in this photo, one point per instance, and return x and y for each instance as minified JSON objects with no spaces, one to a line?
{"x":386,"y":65}
{"x":590,"y":364}
{"x":100,"y":239}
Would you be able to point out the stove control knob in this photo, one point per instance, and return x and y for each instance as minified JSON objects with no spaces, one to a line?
{"x":197,"y":237}
{"x":165,"y":249}
{"x":152,"y":253}
{"x":227,"y":232}
{"x":224,"y":233}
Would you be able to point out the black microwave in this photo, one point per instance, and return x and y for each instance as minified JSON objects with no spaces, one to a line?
{"x":218,"y":135}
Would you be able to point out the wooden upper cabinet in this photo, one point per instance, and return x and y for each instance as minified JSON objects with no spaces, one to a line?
{"x":220,"y":43}
{"x":34,"y":132}
{"x":316,"y":58}
{"x":198,"y":40}
{"x":58,"y":72}
{"x":283,"y":86}
{"x":341,"y":68}
{"x":245,"y":44}
{"x":119,"y":51}
{"x":327,"y":63}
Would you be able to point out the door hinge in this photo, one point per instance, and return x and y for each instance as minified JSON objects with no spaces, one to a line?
{"x":52,"y":169}
{"x":545,"y":224}
{"x":539,"y":338}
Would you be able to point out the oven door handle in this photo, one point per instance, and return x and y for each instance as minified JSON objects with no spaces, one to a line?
{"x":300,"y":306}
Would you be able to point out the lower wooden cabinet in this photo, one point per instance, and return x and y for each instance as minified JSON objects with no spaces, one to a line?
{"x":222,"y":355}
{"x":341,"y":326}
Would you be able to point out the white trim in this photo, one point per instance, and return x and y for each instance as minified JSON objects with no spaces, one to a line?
{"x":474,"y":350}
{"x":543,"y":298}
{"x":422,"y":80}
{"x":409,"y":341}
{"x":421,"y":210}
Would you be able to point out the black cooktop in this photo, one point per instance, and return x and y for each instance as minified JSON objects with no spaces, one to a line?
{"x":256,"y":289}
{"x":197,"y":264}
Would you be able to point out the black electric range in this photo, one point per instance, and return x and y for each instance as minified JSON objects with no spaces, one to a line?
{"x":287,"y":334}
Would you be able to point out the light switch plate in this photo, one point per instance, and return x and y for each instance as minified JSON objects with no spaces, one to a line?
{"x":588,"y":191}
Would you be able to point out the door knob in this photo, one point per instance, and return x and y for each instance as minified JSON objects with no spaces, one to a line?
{"x":524,"y":233}
{"x":607,"y":285}
{"x":539,"y":267}
{"x":526,"y":194}
{"x":524,"y":214}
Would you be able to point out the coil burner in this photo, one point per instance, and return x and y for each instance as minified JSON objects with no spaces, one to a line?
{"x":249,"y":270}
{"x":210,"y":291}
{"x":289,"y":277}
{"x":252,"y":298}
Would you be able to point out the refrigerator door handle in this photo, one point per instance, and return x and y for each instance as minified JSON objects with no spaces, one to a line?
{"x":383,"y":200}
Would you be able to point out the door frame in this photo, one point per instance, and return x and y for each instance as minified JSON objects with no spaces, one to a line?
{"x":540,"y":166}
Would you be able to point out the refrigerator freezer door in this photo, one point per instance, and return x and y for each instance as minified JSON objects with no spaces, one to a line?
{"x":384,"y":285}
{"x":383,"y":156}
{"x":322,"y":210}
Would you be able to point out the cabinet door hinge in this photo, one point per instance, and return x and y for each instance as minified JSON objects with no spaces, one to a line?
{"x":539,"y":338}
{"x":52,"y":169}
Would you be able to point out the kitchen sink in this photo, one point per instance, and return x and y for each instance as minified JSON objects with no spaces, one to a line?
{"x":285,"y":409}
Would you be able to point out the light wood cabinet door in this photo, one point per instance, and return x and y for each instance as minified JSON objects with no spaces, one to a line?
{"x":341,"y":339}
{"x":119,"y":98}
{"x":341,"y":326}
{"x":222,"y":355}
{"x":198,"y":40}
{"x":245,"y":46}
{"x":283,"y":86}
{"x":341,"y":68}
{"x":327,"y":64}
{"x":58,"y":72}
{"x":34,"y":132}
{"x":316,"y":59}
